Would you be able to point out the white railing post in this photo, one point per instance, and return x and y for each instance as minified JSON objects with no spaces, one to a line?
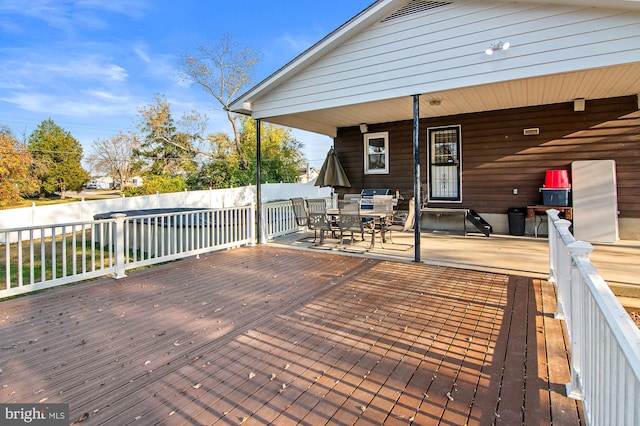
{"x":575,"y":318}
{"x":119,"y":245}
{"x":552,"y":216}
{"x":562,"y":266}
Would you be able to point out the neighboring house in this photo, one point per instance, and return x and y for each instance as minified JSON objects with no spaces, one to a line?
{"x":308,"y":176}
{"x":490,"y":120}
{"x":134,"y":181}
{"x":101,"y":182}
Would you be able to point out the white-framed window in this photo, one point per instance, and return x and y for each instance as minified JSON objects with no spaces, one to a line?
{"x":445,"y":163}
{"x":376,"y":153}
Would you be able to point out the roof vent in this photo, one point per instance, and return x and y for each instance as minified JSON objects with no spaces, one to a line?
{"x":415,"y":6}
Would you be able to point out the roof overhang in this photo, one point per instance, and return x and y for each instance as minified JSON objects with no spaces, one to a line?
{"x":600,"y":83}
{"x":621,"y":79}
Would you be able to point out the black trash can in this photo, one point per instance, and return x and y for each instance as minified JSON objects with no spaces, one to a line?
{"x":516,"y":220}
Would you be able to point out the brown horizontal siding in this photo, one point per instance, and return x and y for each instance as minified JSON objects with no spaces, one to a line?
{"x":497,"y":157}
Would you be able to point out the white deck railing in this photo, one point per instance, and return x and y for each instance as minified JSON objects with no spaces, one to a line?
{"x":279,"y":219}
{"x":47,"y":256}
{"x":112,"y":246}
{"x":604,"y":341}
{"x":52,"y":255}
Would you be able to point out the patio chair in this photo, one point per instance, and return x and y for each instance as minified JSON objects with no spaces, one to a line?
{"x":316,"y":205}
{"x":383,"y":203}
{"x":300,"y":211}
{"x":319,"y":221}
{"x":350,"y":222}
{"x":352,"y":197}
{"x":399,"y":226}
{"x":319,"y":205}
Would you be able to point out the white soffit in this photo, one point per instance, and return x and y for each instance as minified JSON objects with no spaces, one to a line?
{"x":593,"y":84}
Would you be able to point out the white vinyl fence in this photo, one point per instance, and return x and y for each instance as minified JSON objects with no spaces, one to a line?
{"x":135,"y":232}
{"x":213,"y":199}
{"x":604,"y":341}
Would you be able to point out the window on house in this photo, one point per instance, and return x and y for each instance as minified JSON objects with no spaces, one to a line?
{"x":376,"y":153}
{"x":445,"y":165}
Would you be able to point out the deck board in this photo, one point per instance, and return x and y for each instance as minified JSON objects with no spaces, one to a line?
{"x":267,"y":335}
{"x":537,"y":403}
{"x":512,"y":394}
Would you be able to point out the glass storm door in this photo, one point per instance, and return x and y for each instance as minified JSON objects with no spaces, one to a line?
{"x":444,"y":164}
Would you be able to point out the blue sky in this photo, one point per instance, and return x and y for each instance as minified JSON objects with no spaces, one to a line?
{"x":90,"y":64}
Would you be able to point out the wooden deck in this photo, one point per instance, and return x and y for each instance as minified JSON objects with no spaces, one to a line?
{"x":269,"y":335}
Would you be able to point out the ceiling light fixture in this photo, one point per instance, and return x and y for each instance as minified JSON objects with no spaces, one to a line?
{"x":501,"y":45}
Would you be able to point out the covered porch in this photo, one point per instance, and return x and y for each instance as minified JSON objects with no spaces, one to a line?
{"x":506,"y":254}
{"x":273,"y":335}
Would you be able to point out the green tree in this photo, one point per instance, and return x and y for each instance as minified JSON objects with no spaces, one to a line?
{"x":58,"y":156}
{"x":16,"y":173}
{"x":164,"y":149}
{"x":281,"y":155}
{"x":222,"y":170}
{"x":281,"y":158}
{"x":157,"y":184}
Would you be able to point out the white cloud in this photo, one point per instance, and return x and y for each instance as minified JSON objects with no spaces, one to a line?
{"x":132,"y":8}
{"x":82,"y":105}
{"x":89,"y":67}
{"x":107,"y":96}
{"x":8,"y":26}
{"x":68,"y":15}
{"x":142,"y":54}
{"x":40,"y":70}
{"x":10,"y":82}
{"x":162,"y":67}
{"x":298,"y":43}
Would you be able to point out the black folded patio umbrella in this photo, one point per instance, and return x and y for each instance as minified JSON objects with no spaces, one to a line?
{"x":331,"y":173}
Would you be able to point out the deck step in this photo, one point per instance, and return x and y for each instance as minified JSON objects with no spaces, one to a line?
{"x":479,"y":222}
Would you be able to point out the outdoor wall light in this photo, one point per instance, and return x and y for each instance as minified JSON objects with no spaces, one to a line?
{"x":364,"y":128}
{"x":501,"y":45}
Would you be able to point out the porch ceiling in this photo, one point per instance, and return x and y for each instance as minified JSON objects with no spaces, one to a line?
{"x":590,"y":84}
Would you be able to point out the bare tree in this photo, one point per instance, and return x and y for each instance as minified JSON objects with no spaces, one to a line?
{"x":222,"y":70}
{"x":114,"y":156}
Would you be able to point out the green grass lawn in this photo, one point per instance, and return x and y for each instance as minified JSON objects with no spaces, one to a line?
{"x":70,"y":198}
{"x":64,"y":251}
